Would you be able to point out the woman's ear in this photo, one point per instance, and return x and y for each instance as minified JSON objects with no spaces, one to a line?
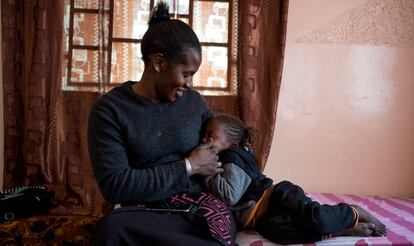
{"x":159,"y":62}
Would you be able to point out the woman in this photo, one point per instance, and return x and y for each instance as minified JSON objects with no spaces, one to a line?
{"x":142,"y":136}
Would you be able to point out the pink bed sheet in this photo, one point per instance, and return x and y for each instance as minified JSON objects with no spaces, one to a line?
{"x":396,"y":213}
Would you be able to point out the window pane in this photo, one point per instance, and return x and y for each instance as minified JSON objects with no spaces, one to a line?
{"x":86,"y":4}
{"x":85,"y":29}
{"x":210,"y":21}
{"x":179,"y":6}
{"x":126,"y":62}
{"x":185,"y":20}
{"x":130,"y":18}
{"x":84,"y":66}
{"x":213,"y":70}
{"x":66,"y":25}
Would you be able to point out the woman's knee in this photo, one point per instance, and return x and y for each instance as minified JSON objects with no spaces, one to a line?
{"x":108,"y":231}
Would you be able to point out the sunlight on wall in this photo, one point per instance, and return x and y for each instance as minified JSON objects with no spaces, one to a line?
{"x":371,"y":88}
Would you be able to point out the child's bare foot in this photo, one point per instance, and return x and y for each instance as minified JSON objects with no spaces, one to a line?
{"x":364,"y":216}
{"x":360,"y":230}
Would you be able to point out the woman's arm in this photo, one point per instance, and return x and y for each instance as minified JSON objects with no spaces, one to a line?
{"x":230,"y":185}
{"x":119,"y":182}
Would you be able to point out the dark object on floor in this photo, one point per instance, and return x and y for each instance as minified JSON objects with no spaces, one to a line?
{"x":49,"y":230}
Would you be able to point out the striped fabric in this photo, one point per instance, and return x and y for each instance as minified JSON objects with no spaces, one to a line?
{"x":396,"y":213}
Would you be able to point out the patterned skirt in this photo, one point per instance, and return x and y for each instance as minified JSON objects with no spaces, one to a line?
{"x":182,"y":219}
{"x":213,"y":211}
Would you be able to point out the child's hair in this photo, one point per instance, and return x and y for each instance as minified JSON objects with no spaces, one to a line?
{"x":237,"y":131}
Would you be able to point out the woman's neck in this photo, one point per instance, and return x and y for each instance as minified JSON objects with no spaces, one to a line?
{"x":145,"y":88}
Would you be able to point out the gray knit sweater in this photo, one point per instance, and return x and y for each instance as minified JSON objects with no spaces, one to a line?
{"x":137,"y":147}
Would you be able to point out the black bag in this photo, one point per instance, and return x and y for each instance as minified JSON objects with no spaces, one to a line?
{"x":24,"y":201}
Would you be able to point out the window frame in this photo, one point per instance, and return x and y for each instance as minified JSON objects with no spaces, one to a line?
{"x":231,"y":45}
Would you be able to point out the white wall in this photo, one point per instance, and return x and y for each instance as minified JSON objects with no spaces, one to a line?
{"x":345,"y":118}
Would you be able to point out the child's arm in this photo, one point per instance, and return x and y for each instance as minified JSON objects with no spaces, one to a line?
{"x":230,"y":185}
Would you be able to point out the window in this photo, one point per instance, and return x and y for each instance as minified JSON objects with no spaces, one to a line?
{"x":215,"y":23}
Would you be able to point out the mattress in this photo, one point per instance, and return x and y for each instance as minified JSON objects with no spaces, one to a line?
{"x":396,"y":213}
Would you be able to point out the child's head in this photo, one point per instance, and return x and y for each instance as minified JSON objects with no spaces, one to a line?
{"x":224,"y":131}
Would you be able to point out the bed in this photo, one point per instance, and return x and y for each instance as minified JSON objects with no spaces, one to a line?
{"x":396,"y":213}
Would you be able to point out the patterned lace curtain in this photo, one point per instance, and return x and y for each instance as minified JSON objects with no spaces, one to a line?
{"x":103,"y":43}
{"x":45,"y":127}
{"x":262,"y":35}
{"x":12,"y":47}
{"x":32,"y":45}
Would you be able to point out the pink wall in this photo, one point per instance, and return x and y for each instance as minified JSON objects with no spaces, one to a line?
{"x":345,"y":120}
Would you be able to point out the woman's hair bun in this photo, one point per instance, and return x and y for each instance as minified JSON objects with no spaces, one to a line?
{"x":159,"y":13}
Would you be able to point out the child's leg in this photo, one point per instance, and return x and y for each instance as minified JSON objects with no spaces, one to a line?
{"x":281,"y":229}
{"x":329,"y":219}
{"x":311,"y":220}
{"x":322,"y":219}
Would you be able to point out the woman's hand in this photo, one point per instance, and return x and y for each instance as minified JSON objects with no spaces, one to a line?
{"x":204,"y":161}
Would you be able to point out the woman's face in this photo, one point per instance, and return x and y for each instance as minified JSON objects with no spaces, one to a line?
{"x":174,"y":79}
{"x":216,"y":135}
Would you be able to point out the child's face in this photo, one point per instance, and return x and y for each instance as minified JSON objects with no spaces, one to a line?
{"x":215,"y":134}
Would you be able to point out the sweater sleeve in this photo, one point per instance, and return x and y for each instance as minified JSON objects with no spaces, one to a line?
{"x":118,"y":181}
{"x":230,"y":185}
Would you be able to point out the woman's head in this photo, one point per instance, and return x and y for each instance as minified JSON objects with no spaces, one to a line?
{"x":171,"y":52}
{"x":169,"y":37}
{"x":224,"y":131}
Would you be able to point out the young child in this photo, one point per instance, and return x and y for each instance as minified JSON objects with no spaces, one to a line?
{"x":282,"y":213}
